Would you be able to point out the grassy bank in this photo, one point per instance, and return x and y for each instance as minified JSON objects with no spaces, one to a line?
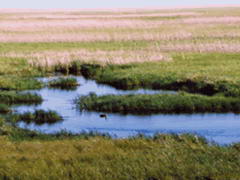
{"x":196,"y":73}
{"x":12,"y":97}
{"x":159,"y":103}
{"x":28,"y":154}
{"x":205,"y":73}
{"x":163,"y":157}
{"x":10,"y":130}
{"x":18,"y":74}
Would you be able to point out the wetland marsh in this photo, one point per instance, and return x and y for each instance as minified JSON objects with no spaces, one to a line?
{"x":143,"y":94}
{"x":219,"y":127}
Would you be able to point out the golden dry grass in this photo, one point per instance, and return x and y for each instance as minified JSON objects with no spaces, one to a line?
{"x":163,"y":32}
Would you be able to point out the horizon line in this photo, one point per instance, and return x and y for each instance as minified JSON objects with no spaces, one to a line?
{"x":122,"y":8}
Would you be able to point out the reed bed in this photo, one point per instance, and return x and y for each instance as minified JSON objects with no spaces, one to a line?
{"x":52,"y":58}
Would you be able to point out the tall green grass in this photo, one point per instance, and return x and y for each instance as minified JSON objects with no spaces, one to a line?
{"x":13,"y":97}
{"x":38,"y":117}
{"x":161,"y":157}
{"x":159,"y":103}
{"x":4,"y":109}
{"x":17,"y":74}
{"x":64,"y":83}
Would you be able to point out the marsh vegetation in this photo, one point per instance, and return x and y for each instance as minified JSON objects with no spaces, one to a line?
{"x":145,"y":104}
{"x":195,"y":51}
{"x":38,"y":117}
{"x":13,"y":97}
{"x":64,"y":83}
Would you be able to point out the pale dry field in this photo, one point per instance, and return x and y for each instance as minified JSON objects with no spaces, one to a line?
{"x":117,"y":36}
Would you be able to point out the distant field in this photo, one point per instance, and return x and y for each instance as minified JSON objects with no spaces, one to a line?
{"x":118,"y":36}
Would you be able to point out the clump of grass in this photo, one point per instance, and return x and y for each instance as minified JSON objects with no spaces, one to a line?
{"x":88,"y":70}
{"x":38,"y":117}
{"x":91,"y":70}
{"x":64,"y":83}
{"x":1,"y":122}
{"x":13,"y":97}
{"x":159,"y":103}
{"x":4,"y":109}
{"x":74,"y":67}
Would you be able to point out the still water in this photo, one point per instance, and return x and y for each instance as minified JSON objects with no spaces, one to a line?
{"x":221,"y":128}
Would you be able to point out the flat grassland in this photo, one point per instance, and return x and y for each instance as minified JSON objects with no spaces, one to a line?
{"x":192,"y":50}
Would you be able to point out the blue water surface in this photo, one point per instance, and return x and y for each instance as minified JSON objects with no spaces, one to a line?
{"x":222,"y":128}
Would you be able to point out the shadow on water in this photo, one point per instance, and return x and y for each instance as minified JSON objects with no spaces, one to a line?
{"x":221,"y":128}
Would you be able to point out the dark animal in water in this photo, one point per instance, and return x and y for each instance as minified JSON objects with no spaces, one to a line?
{"x":103,"y":116}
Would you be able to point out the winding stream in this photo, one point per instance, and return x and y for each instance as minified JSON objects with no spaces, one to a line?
{"x":221,"y":128}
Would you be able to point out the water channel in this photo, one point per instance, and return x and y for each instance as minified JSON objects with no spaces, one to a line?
{"x":221,"y":128}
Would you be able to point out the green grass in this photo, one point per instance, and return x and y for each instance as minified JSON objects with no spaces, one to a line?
{"x":38,"y":117}
{"x":159,"y":103}
{"x":17,"y":67}
{"x":161,"y":157}
{"x":12,"y":97}
{"x":38,"y":46}
{"x":196,"y":73}
{"x":207,"y":74}
{"x":4,"y":109}
{"x":19,"y":83}
{"x":28,"y":154}
{"x":17,"y":74}
{"x":64,"y":83}
{"x":10,"y":129}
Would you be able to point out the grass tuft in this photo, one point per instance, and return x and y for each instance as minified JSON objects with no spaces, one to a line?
{"x":12,"y":97}
{"x":4,"y":109}
{"x":38,"y":117}
{"x":64,"y":83}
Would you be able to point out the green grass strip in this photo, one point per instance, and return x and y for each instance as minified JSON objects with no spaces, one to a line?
{"x":12,"y":97}
{"x":159,"y":103}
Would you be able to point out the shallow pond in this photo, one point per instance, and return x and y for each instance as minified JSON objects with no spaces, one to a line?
{"x":221,"y":128}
